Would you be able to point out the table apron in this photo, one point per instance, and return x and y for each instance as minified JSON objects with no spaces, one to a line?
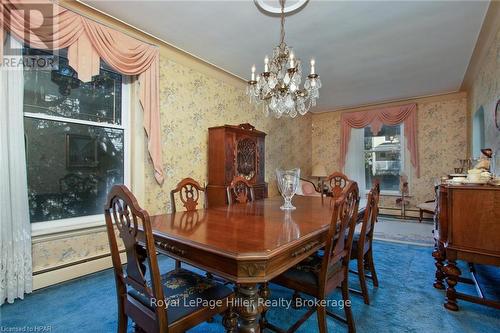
{"x":241,"y":270}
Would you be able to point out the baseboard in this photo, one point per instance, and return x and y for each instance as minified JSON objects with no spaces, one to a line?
{"x":70,"y":272}
{"x":410,"y":213}
{"x":401,"y":242}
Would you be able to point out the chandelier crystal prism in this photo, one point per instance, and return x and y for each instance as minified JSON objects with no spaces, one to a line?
{"x":278,"y":87}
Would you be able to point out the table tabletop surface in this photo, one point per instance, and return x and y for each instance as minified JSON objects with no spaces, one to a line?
{"x":256,"y":228}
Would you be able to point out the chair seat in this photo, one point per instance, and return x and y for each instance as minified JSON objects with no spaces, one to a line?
{"x":307,"y":271}
{"x":428,"y":206}
{"x":182,"y":286}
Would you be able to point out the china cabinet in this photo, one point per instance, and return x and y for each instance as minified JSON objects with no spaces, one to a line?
{"x":235,"y":151}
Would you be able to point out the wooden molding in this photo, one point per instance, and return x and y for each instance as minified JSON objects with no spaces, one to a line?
{"x":252,"y":269}
{"x":49,"y":237}
{"x":418,"y":100}
{"x":487,"y":35}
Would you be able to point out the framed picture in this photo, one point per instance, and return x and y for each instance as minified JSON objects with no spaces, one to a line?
{"x":497,"y":115}
{"x":81,"y":151}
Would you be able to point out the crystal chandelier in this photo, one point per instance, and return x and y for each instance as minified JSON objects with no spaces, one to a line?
{"x":278,"y":87}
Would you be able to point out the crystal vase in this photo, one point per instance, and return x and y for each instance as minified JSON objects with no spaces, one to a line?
{"x":288,"y":183}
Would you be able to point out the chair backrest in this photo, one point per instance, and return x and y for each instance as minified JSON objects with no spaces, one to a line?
{"x":376,"y":195}
{"x":123,"y":212}
{"x":189,"y":193}
{"x":369,"y":219}
{"x":341,"y":232}
{"x":240,"y":190}
{"x":337,"y":182}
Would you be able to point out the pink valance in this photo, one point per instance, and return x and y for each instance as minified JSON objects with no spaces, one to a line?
{"x":406,"y":114}
{"x":44,"y":25}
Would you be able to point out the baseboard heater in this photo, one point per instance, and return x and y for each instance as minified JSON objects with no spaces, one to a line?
{"x":69,"y":271}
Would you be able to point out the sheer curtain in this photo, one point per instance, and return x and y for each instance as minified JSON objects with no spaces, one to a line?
{"x":355,"y":161}
{"x":15,"y":228}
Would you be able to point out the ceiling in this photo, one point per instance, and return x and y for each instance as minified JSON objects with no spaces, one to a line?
{"x":365,"y":51}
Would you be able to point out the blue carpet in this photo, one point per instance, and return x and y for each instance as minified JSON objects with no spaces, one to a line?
{"x":404,"y":302}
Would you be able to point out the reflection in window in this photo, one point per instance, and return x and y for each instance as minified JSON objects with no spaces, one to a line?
{"x":383,"y":160}
{"x":73,"y":156}
{"x":60,"y":93}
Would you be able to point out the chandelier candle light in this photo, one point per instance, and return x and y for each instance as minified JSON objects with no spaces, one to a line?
{"x":279,"y":85}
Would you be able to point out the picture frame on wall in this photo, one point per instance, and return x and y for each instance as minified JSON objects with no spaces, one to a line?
{"x":497,"y":115}
{"x":81,"y":151}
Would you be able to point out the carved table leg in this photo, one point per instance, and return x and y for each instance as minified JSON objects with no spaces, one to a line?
{"x":452,"y":274}
{"x":247,"y":306}
{"x":230,"y":320}
{"x":439,"y":258}
{"x":264,"y":293}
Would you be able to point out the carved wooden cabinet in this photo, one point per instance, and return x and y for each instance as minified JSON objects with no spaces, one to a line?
{"x":235,"y":151}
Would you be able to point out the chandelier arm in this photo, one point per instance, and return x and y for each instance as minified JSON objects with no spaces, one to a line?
{"x":282,"y":36}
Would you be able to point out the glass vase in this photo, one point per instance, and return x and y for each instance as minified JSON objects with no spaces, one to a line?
{"x":288,"y":183}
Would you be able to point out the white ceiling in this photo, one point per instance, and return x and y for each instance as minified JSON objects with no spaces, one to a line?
{"x":365,"y":51}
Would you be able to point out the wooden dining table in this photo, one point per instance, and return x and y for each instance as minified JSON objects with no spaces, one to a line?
{"x":247,"y":244}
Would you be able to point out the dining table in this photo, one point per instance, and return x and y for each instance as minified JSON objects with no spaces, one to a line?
{"x":247,"y":244}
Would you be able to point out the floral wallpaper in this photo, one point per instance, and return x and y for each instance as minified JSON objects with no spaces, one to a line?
{"x":325,"y":139}
{"x":442,"y":139}
{"x":191,"y":102}
{"x":59,"y":251}
{"x":485,"y":92}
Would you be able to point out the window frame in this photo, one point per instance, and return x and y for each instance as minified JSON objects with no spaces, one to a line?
{"x":403,"y":169}
{"x":89,"y":221}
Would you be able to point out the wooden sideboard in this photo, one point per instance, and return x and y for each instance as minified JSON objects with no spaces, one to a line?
{"x":235,"y":151}
{"x":467,"y":227}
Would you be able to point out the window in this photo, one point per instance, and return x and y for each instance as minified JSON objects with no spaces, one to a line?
{"x":76,"y":139}
{"x":383,"y":157}
{"x":380,"y":156}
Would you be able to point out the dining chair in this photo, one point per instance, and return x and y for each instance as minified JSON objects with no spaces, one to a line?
{"x":240,"y":190}
{"x":362,"y":246}
{"x":428,"y":206}
{"x":189,"y":191}
{"x":319,"y":275}
{"x":337,"y":181}
{"x":157,"y":304}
